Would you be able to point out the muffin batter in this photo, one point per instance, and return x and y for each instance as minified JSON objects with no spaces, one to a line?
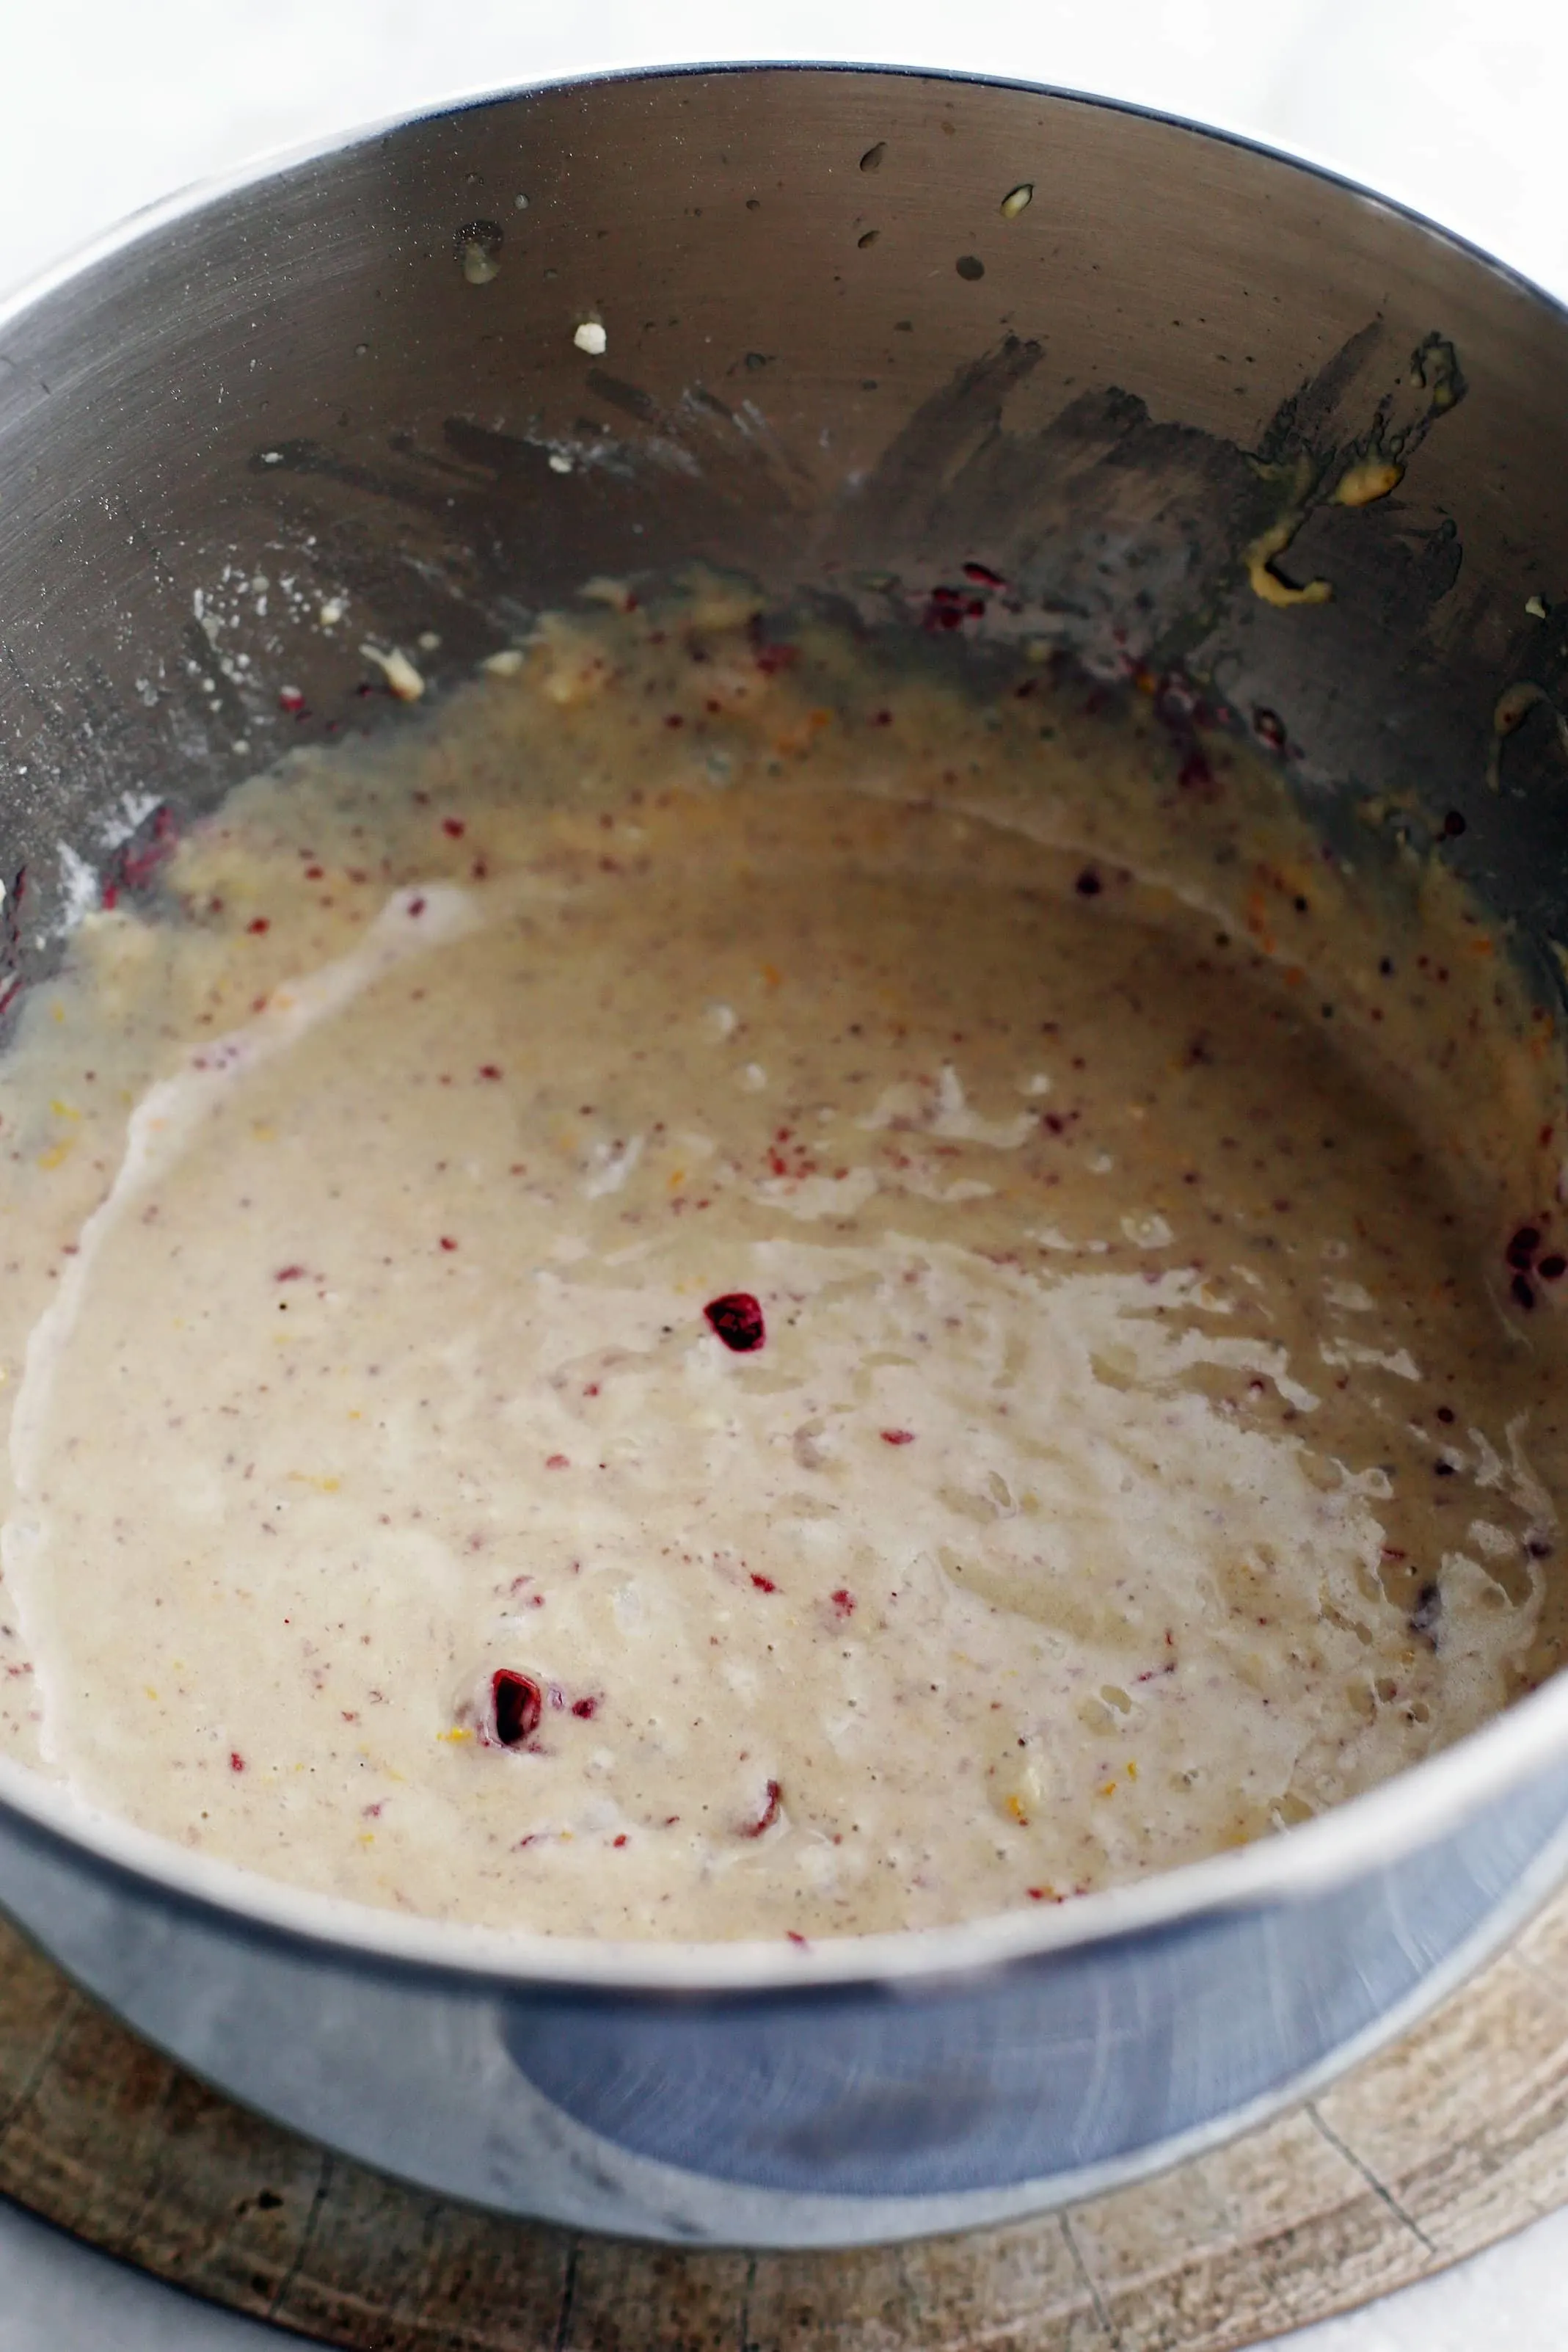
{"x":730,"y":1292}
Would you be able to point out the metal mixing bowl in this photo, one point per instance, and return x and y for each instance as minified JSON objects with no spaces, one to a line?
{"x":840,"y":361}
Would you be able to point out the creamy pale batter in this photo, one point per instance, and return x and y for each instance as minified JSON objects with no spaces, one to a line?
{"x":731,"y":1291}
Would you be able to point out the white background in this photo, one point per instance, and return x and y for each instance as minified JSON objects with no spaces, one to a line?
{"x":1454,"y":106}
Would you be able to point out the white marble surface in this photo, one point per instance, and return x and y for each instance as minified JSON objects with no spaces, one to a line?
{"x":1453,"y":105}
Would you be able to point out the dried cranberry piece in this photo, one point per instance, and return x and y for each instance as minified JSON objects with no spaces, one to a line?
{"x":1521,"y":1251}
{"x":515,"y":1706}
{"x":769,"y":1813}
{"x":135,"y":865}
{"x":736,"y":1320}
{"x":1552,"y":1268}
{"x":945,"y":609}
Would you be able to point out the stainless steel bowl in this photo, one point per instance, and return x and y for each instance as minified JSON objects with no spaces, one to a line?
{"x":837,"y":360}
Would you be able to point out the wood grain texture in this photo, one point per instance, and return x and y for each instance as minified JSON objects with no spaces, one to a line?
{"x":1442,"y":2144}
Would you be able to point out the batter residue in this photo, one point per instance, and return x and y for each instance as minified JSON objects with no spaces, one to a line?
{"x":727,"y":1292}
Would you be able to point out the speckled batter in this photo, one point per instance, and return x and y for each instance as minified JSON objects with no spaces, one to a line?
{"x":728,"y":1292}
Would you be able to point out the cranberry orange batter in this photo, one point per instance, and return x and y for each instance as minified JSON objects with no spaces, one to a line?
{"x":727,"y":1292}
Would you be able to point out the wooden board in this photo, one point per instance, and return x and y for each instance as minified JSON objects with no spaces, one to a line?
{"x":1445,"y":2142}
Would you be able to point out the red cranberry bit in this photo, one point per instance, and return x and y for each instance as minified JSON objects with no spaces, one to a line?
{"x":983,"y":576}
{"x":261,"y":924}
{"x":1089,"y":885}
{"x":898,"y":1437}
{"x":515,"y":1706}
{"x":489,"y":1070}
{"x":763,"y":1583}
{"x":769,"y":1813}
{"x":447,"y":1243}
{"x":736,"y":1320}
{"x":1521,"y":1251}
{"x":289,"y":699}
{"x":236,"y":1761}
{"x":945,"y":609}
{"x":585,"y":1707}
{"x":796,"y":1936}
{"x":289,"y":1274}
{"x":556,"y":1462}
{"x":844,"y":1601}
{"x":1552,"y":1268}
{"x":135,"y":865}
{"x":454,"y":827}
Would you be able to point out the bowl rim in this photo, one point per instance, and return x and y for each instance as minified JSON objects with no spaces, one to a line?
{"x":1361,"y":1837}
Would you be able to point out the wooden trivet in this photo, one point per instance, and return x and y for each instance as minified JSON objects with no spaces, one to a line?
{"x":1439,"y":2147}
